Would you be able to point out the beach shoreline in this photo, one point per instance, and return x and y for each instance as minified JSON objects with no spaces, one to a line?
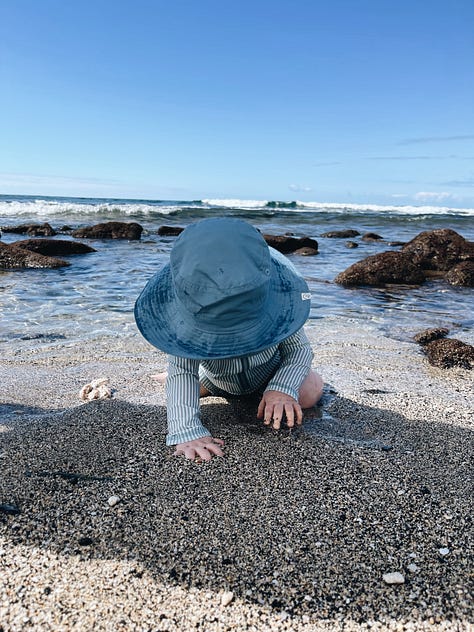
{"x":299,"y":528}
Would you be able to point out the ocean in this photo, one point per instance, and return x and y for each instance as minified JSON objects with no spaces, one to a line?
{"x":93,"y":298}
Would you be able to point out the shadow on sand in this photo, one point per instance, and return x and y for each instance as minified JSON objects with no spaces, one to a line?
{"x":306,"y":522}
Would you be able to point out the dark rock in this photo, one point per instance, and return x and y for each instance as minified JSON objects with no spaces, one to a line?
{"x":343,"y":234}
{"x":43,"y":337}
{"x":9,"y":509}
{"x":396,"y":243}
{"x":380,"y":269}
{"x":286,"y":244}
{"x":372,"y":237}
{"x":170,"y":231}
{"x":461,"y":274}
{"x":430,"y":334}
{"x":110,"y":230}
{"x":306,"y":252}
{"x":439,"y":249}
{"x":35,"y":230}
{"x":85,"y":541}
{"x":351,"y":244}
{"x":12,"y":256}
{"x":449,"y":352}
{"x":54,"y":247}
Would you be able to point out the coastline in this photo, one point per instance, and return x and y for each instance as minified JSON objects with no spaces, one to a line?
{"x":299,"y":528}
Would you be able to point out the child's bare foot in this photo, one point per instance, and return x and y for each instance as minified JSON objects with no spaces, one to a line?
{"x":160,"y":377}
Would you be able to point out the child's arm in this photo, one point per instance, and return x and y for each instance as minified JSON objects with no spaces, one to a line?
{"x":281,"y":394}
{"x":185,"y":429}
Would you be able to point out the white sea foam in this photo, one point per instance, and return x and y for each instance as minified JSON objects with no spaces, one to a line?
{"x":231,"y":203}
{"x":376,"y":208}
{"x":338,"y":207}
{"x":48,"y":208}
{"x":74,"y":208}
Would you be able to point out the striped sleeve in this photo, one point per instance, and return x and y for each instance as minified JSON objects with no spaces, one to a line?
{"x":182,"y":393}
{"x":295,"y":363}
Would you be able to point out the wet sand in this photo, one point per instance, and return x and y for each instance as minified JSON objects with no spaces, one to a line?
{"x":296,"y":529}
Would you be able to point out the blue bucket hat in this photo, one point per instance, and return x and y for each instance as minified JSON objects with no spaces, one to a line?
{"x":224,"y":294}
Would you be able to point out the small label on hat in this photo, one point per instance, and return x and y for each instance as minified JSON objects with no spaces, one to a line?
{"x":305,"y":296}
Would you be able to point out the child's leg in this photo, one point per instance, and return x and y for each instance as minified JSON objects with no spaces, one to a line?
{"x":311,"y":390}
{"x":203,"y":392}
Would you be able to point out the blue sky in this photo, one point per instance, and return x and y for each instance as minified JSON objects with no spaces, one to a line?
{"x":358,"y":101}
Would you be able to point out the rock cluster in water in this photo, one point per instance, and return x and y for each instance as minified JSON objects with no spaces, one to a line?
{"x":287,"y":244}
{"x":13,"y":256}
{"x":42,"y":253}
{"x":111,"y":230}
{"x":382,"y":269}
{"x":55,"y":247}
{"x":445,"y":352}
{"x":33,"y":230}
{"x":441,"y":252}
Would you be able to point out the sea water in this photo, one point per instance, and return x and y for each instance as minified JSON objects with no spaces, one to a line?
{"x":93,"y":298}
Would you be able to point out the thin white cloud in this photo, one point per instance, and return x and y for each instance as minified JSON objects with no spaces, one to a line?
{"x":57,"y":185}
{"x":447,"y":157}
{"x":433,"y":196}
{"x":435,"y":139}
{"x":31,"y":179}
{"x":406,"y":158}
{"x":298,"y":188}
{"x":468,"y":183}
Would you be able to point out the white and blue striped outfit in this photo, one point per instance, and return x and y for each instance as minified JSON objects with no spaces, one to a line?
{"x":282,"y":367}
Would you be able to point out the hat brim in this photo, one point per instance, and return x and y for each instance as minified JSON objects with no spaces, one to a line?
{"x":286,"y":309}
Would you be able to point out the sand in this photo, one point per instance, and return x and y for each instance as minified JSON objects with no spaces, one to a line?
{"x":286,"y":532}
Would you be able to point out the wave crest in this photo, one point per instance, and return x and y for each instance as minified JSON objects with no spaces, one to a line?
{"x":43,"y":208}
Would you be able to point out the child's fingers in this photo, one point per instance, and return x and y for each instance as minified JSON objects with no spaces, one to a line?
{"x":208,"y":451}
{"x":215,"y":448}
{"x":219,"y":441}
{"x":203,"y":450}
{"x":203,"y":453}
{"x":290,"y":414}
{"x":294,"y":414}
{"x":277,"y":415}
{"x":267,"y":414}
{"x":261,"y":408}
{"x":299,"y":413}
{"x":185,"y":451}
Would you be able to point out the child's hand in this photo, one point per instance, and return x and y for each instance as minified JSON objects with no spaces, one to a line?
{"x":272,"y":406}
{"x":204,"y":448}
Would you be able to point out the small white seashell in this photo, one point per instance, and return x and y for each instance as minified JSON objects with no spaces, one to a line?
{"x":100,"y":382}
{"x":227,"y":597}
{"x":97,"y":389}
{"x":393,"y":578}
{"x":85,"y":390}
{"x":444,"y":551}
{"x":413,"y":568}
{"x":113,"y":500}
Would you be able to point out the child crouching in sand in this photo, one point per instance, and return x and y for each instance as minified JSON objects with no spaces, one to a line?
{"x":230,"y":312}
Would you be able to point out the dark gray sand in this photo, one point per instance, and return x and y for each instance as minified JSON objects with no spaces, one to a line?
{"x":296,"y":530}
